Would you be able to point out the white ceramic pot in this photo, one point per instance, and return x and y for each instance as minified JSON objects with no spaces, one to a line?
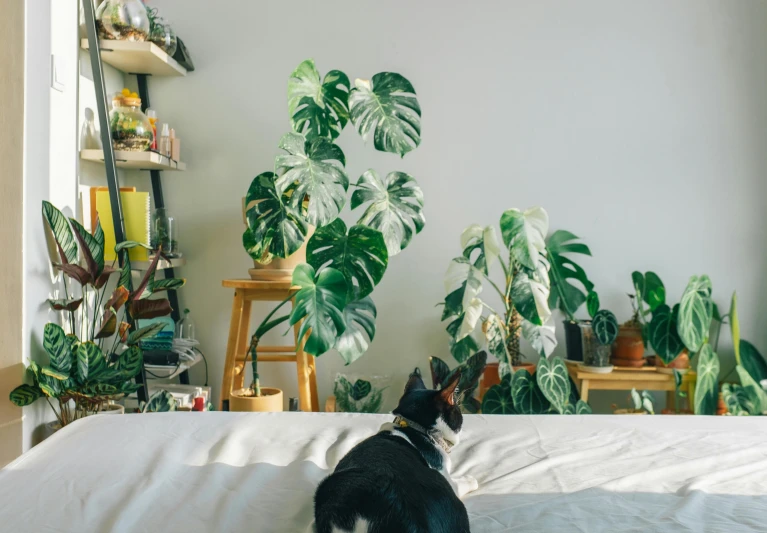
{"x":111,"y":409}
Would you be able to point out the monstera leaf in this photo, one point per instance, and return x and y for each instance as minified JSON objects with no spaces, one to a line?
{"x":664,"y":338}
{"x":388,"y":105}
{"x":605,"y":327}
{"x":475,"y":237}
{"x":695,"y":313}
{"x":57,"y":346}
{"x":530,"y":295}
{"x":273,"y":226}
{"x":495,"y":334}
{"x":554,"y":382}
{"x":62,"y":233}
{"x":318,"y":109}
{"x":359,"y":255}
{"x":752,"y":361}
{"x":360,"y":319}
{"x":707,"y":386}
{"x":463,"y":283}
{"x":24,"y":395}
{"x":497,"y":400}
{"x":649,"y":288}
{"x":543,"y":338}
{"x":524,"y":235}
{"x":319,"y":306}
{"x":564,"y":295}
{"x":527,"y":395}
{"x":396,"y":208}
{"x":312,"y":169}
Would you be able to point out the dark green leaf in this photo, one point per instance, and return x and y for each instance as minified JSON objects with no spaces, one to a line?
{"x":312,"y":169}
{"x":527,"y":395}
{"x":58,"y":348}
{"x":130,"y":361}
{"x":592,"y":303}
{"x":695,"y":313}
{"x":360,"y":389}
{"x":737,"y":401}
{"x":463,"y":349}
{"x":664,"y":338}
{"x":396,"y":208}
{"x":360,"y":256}
{"x":497,"y":400}
{"x":161,"y":402}
{"x":605,"y":327}
{"x":90,"y":361}
{"x":92,"y":250}
{"x":129,"y":388}
{"x":318,"y":109}
{"x":126,"y":276}
{"x":564,"y":295}
{"x":752,"y":361}
{"x":707,"y":385}
{"x":50,"y":386}
{"x":530,"y":297}
{"x":654,"y":292}
{"x":319,"y":306}
{"x":24,"y":395}
{"x":360,"y":319}
{"x":62,"y":233}
{"x":388,"y":105}
{"x":553,"y":380}
{"x":582,"y":408}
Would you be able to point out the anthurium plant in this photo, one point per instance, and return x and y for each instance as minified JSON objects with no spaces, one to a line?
{"x":548,"y":392}
{"x":308,"y":186}
{"x":96,"y":355}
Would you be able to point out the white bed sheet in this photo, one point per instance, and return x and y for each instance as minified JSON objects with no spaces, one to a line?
{"x":217,"y":472}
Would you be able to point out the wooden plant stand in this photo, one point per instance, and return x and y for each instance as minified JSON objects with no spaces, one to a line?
{"x":645,"y":378}
{"x":238,"y":343}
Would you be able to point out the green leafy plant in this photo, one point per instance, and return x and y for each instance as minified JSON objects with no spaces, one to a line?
{"x":470,"y":370}
{"x":642,"y":403}
{"x":308,"y":187}
{"x":94,"y":362}
{"x":160,"y":402}
{"x":549,"y":391}
{"x":524,"y":292}
{"x":358,"y":397}
{"x":566,"y":296}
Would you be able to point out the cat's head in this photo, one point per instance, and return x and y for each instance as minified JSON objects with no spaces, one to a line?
{"x":433,"y":409}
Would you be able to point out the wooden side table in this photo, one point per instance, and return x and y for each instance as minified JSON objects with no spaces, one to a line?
{"x":645,"y":378}
{"x":238,"y":343}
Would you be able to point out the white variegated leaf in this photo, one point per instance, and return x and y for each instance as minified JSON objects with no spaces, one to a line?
{"x":471,"y":313}
{"x":543,"y":338}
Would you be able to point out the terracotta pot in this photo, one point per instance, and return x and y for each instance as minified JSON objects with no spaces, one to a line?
{"x":628,"y":363}
{"x":278,"y":269}
{"x":682,"y":362}
{"x":721,"y":407}
{"x":270,"y":401}
{"x":629,"y":345}
{"x":629,"y":412}
{"x":672,"y":412}
{"x":490,"y":376}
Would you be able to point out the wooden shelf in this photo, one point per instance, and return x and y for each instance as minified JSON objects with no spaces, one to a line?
{"x":138,"y":58}
{"x":135,"y":160}
{"x":161,"y":264}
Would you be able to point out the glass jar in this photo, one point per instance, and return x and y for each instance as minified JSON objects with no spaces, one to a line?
{"x":594,"y":353}
{"x":163,"y":36}
{"x":185,"y":328}
{"x":131,"y":129}
{"x":124,"y":20}
{"x":165,"y":233}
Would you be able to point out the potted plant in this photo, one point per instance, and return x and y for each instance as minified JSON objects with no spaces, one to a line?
{"x":597,"y":340}
{"x":524,"y":292}
{"x":92,"y":364}
{"x":308,"y":185}
{"x":308,"y":188}
{"x":643,"y":404}
{"x":567,"y":296}
{"x":548,"y":392}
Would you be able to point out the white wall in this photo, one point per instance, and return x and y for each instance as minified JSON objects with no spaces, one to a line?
{"x":640,"y":126}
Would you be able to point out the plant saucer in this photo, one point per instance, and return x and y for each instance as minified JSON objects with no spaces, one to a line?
{"x":596,"y":369}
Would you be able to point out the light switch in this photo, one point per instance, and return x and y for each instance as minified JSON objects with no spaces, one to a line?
{"x":56,"y":79}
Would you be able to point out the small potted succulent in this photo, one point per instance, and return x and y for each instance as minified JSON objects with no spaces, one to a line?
{"x":524,"y":290}
{"x":308,"y":188}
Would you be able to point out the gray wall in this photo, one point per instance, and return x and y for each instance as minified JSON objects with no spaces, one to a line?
{"x":639,"y":126}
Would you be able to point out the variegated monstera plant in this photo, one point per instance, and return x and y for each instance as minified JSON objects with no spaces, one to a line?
{"x":308,"y":186}
{"x":94,"y":357}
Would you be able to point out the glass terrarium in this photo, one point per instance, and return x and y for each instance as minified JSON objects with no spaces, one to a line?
{"x":594,"y":353}
{"x":165,"y":233}
{"x":163,"y":36}
{"x":131,"y":129}
{"x":360,"y":394}
{"x":123,"y":20}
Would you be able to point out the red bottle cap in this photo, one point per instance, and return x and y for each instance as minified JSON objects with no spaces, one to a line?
{"x":199,"y":404}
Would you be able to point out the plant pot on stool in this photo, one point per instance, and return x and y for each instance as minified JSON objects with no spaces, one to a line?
{"x":243,"y":400}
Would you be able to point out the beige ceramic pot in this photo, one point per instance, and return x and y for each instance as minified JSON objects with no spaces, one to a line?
{"x":111,"y":409}
{"x":270,"y":401}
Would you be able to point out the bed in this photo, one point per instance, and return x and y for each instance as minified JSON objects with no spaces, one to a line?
{"x":190,"y":472}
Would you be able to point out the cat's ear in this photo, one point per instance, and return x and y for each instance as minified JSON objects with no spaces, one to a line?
{"x":414,"y":382}
{"x":448,"y":392}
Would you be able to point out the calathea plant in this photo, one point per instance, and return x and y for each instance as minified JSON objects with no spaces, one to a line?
{"x":549,"y":391}
{"x":96,"y":359}
{"x":308,"y":187}
{"x":470,"y":370}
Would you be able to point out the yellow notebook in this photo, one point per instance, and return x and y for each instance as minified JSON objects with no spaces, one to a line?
{"x":136,"y":219}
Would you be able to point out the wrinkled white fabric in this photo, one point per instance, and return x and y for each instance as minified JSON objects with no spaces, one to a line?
{"x":256,"y":473}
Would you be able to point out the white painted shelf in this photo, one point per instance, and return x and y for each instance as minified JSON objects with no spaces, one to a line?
{"x":135,"y":160}
{"x":138,"y":58}
{"x":161,"y":264}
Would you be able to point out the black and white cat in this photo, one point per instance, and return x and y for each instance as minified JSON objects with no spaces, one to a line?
{"x":398,"y":481}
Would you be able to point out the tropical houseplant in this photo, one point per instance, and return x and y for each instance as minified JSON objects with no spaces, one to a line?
{"x":359,"y":395}
{"x":94,"y":357}
{"x":548,"y":392}
{"x":598,"y":339}
{"x":308,"y":187}
{"x":643,"y":404}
